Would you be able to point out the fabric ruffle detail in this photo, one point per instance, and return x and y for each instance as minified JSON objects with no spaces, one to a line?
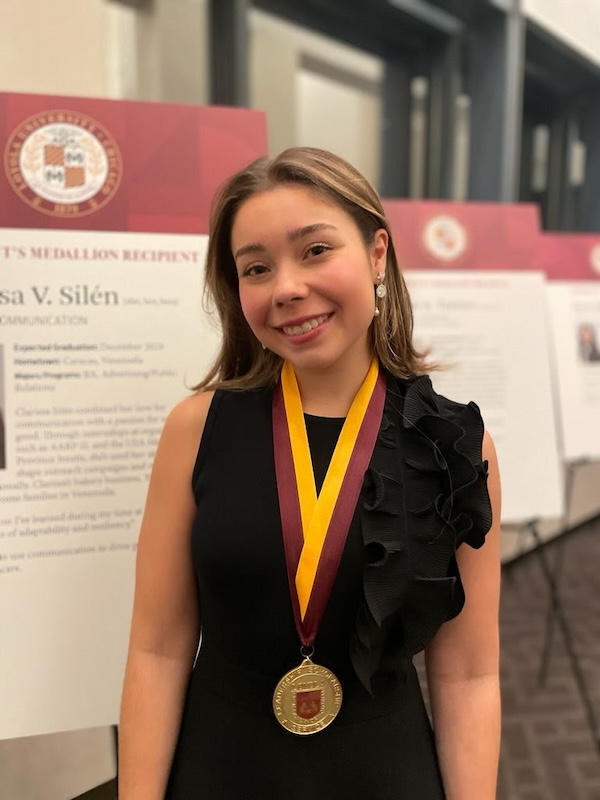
{"x":424,"y":494}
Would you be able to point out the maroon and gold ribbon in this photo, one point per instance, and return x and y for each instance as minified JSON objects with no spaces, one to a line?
{"x":315,"y":528}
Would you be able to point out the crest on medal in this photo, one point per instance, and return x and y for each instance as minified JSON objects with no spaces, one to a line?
{"x":445,"y":238}
{"x":309,"y":703}
{"x":63,"y":163}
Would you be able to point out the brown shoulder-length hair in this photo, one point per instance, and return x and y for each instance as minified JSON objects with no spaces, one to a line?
{"x":242,"y":363}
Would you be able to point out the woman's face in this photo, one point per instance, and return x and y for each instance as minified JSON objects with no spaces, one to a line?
{"x":306,"y":277}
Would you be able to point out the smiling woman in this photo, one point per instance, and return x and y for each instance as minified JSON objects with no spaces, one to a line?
{"x":335,"y":510}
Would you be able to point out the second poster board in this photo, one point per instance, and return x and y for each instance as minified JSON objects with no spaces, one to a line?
{"x":481,"y":311}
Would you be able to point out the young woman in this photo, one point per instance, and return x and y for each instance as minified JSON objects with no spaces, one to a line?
{"x":315,"y":517}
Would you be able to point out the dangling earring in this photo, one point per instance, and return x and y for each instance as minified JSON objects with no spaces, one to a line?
{"x":380,"y":292}
{"x":264,"y":346}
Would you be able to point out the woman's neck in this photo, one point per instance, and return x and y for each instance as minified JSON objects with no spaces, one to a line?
{"x":329,"y":393}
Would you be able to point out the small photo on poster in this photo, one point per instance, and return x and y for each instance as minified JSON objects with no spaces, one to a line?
{"x":587,"y":343}
{"x":2,"y":416}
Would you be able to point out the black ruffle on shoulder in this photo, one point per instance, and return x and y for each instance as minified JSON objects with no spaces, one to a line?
{"x":425,"y":493}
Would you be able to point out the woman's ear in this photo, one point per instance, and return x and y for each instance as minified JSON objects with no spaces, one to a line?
{"x":379,"y":250}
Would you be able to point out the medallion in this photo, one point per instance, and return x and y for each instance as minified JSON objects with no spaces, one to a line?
{"x":307,"y":699}
{"x":314,"y":527}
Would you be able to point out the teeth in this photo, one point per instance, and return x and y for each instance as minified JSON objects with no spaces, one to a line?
{"x":307,"y":326}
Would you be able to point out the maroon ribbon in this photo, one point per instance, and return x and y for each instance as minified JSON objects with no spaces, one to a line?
{"x":289,"y":507}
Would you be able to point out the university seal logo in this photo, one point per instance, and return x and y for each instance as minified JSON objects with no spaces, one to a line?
{"x":445,"y":238}
{"x":595,"y":258}
{"x":63,"y":163}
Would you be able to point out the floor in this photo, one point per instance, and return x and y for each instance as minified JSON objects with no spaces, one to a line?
{"x":548,"y":749}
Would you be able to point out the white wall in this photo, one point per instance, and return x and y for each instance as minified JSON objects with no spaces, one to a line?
{"x":352,"y":120}
{"x":305,"y":107}
{"x":63,"y":46}
{"x":98,"y":48}
{"x":576,"y":22}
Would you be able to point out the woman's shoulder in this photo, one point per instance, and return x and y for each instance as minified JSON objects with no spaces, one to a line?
{"x":419,"y":398}
{"x":189,"y":415}
{"x":192,"y":413}
{"x":444,"y":442}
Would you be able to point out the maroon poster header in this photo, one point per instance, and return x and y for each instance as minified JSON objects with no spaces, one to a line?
{"x":84,"y":164}
{"x":459,"y":236}
{"x":569,"y":256}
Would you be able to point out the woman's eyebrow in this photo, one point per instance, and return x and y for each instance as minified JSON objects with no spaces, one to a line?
{"x":249,"y":248}
{"x":297,"y":233}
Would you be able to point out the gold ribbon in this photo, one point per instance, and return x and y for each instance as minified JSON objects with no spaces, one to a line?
{"x":316,"y":512}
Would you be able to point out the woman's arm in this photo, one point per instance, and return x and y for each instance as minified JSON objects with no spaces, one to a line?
{"x":165,"y":625}
{"x":463,"y":668}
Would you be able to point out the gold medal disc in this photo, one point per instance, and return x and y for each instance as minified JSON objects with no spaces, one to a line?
{"x":307,"y":699}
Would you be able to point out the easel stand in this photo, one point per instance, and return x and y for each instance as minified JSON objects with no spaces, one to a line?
{"x":556,"y":611}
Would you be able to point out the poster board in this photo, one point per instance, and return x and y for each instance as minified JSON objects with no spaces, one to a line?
{"x":104,"y":212}
{"x":481,"y":312}
{"x":572,"y":265}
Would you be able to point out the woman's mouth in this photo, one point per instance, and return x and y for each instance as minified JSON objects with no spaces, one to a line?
{"x":306,"y":326}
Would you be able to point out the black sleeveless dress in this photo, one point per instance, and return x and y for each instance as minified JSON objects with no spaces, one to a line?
{"x":423,"y":495}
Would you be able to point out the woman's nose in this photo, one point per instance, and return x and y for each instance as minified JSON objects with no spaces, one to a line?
{"x":290,"y":284}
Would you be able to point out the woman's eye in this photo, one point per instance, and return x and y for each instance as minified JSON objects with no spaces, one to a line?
{"x":318,"y":249}
{"x":254,"y":270}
